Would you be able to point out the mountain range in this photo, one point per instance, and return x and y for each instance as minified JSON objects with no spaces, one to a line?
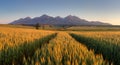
{"x":49,"y":20}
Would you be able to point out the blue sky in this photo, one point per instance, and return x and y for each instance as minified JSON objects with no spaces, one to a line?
{"x":93,"y":10}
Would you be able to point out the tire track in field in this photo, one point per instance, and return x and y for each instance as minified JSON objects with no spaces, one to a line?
{"x":109,"y":52}
{"x":7,"y":57}
{"x":65,"y":50}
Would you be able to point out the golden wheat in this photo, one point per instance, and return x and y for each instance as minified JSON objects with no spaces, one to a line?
{"x":15,"y":36}
{"x":64,"y":50}
{"x":109,"y":37}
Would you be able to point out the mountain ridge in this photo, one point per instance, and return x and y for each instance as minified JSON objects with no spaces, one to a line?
{"x":49,"y":20}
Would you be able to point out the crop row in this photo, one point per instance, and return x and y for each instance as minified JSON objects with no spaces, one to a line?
{"x":110,"y":51}
{"x":110,"y":37}
{"x":12,"y":37}
{"x":16,"y":43}
{"x":15,"y":55}
{"x":64,"y":50}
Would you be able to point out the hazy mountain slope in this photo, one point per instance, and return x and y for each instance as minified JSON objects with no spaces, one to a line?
{"x":45,"y":19}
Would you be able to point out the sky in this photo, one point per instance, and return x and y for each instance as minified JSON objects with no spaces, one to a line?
{"x":107,"y":11}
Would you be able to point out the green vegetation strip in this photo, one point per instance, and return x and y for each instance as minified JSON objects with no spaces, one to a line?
{"x":110,"y":52}
{"x":15,"y":55}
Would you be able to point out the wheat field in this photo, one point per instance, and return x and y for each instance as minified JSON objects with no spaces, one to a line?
{"x":20,"y":46}
{"x":64,"y":50}
{"x":106,"y":43}
{"x":11,"y":37}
